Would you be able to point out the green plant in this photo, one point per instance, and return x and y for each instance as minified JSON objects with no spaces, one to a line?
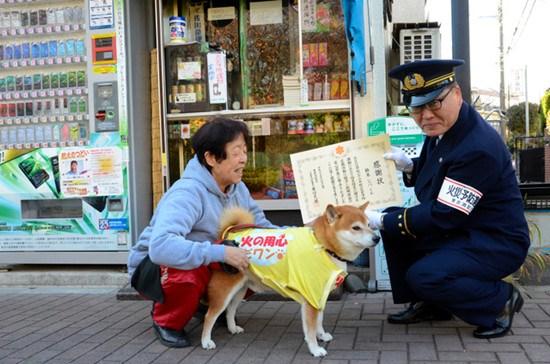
{"x":537,"y":260}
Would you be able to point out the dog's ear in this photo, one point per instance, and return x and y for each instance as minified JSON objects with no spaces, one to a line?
{"x":332,"y":214}
{"x":364,"y":206}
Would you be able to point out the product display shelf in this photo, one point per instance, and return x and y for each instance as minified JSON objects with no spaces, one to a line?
{"x":324,"y":106}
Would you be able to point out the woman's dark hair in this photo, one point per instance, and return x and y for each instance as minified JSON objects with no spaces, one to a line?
{"x":213,"y":137}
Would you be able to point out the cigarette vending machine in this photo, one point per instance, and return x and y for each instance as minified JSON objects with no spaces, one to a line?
{"x":66,"y":132}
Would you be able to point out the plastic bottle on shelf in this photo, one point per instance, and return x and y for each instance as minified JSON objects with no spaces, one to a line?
{"x":178,"y":27}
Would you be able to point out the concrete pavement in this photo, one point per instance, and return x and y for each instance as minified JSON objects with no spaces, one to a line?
{"x":89,"y":325}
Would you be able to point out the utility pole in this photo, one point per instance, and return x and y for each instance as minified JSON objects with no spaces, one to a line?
{"x":501,"y":56}
{"x":461,"y":44}
{"x":526,"y":106}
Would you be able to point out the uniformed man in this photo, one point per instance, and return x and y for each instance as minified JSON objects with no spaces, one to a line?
{"x":448,"y":254}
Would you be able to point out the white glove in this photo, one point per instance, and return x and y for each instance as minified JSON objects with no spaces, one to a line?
{"x":375,"y":219}
{"x":402,"y":162}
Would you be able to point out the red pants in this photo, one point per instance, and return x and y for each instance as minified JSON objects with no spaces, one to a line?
{"x":183,"y":290}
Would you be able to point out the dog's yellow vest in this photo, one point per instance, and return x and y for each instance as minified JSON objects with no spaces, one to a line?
{"x":291,"y":262}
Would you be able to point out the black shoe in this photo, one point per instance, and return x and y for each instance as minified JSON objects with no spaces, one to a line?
{"x":503,"y":322}
{"x":171,"y":338}
{"x":354,"y":284}
{"x":418,"y":312}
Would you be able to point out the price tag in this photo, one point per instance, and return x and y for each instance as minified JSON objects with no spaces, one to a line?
{"x":34,"y":94}
{"x":34,"y":120}
{"x":41,"y":61}
{"x":79,"y":117}
{"x":61,"y":117}
{"x":17,"y":121}
{"x":48,"y":29}
{"x":43,"y":119}
{"x":66,"y":27}
{"x":39,"y":30}
{"x":68,"y":60}
{"x":30,"y":30}
{"x":4,"y":33}
{"x":14,"y":63}
{"x":77,"y":59}
{"x":69,"y":92}
{"x":12,"y":31}
{"x":23,"y":63}
{"x":8,"y":96}
{"x":57,"y":28}
{"x":70,"y":118}
{"x":42,"y":93}
{"x":24,"y":94}
{"x":26,"y":120}
{"x":52,"y":118}
{"x":58,"y":60}
{"x":9,"y":121}
{"x":78,"y":91}
{"x":20,"y":31}
{"x":60,"y":92}
{"x":33,"y":62}
{"x":76,"y":26}
{"x":51,"y":61}
{"x":51,"y":92}
{"x":27,"y":145}
{"x":16,"y":95}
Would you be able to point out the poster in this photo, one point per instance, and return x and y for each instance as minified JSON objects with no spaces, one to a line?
{"x":217,"y":79}
{"x":351,"y":172}
{"x":91,"y":171}
{"x":101,"y":14}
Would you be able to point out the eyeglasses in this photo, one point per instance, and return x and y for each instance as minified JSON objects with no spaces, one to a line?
{"x":433,"y":105}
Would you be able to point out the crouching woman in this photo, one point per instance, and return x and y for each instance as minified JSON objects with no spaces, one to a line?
{"x":180,"y":236}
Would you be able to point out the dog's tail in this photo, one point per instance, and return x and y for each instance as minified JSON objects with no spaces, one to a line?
{"x":234,"y":216}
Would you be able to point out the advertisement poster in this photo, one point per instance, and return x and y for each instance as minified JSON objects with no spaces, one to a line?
{"x":351,"y":173}
{"x":65,"y":199}
{"x":217,"y":79}
{"x":92,"y":171}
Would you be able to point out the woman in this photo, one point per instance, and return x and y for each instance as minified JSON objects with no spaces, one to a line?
{"x":181,"y":233}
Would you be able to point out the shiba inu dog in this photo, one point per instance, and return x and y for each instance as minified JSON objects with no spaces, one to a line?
{"x":312,"y":262}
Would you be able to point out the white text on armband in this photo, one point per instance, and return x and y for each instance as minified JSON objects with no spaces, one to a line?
{"x":458,"y":195}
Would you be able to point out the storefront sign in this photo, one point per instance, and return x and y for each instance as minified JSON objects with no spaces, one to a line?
{"x":266,"y":12}
{"x":351,"y":173}
{"x":217,"y":79}
{"x":225,"y":13}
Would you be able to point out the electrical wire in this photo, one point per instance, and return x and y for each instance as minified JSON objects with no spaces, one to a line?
{"x":514,"y":41}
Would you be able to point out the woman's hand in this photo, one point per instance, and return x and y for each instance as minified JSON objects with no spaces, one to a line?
{"x":236,"y":257}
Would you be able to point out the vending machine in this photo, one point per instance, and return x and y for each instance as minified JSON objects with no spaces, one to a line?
{"x":67,"y":131}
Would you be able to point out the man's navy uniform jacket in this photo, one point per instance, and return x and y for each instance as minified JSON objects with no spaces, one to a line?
{"x":470,"y":210}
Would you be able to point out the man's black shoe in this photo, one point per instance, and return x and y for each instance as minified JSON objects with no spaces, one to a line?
{"x":418,"y":312}
{"x":171,"y":338}
{"x":503,"y":322}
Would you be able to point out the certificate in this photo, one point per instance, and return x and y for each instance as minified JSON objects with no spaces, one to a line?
{"x":347,"y":173}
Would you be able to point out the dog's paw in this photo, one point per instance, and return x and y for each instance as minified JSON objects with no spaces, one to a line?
{"x":325,"y":336}
{"x":318,"y":352}
{"x":235,"y":330}
{"x":208,"y":344}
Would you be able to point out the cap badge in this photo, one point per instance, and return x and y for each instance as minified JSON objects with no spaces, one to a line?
{"x":413,"y":81}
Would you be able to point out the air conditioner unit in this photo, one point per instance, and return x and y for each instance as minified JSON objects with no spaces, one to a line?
{"x":420,"y":43}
